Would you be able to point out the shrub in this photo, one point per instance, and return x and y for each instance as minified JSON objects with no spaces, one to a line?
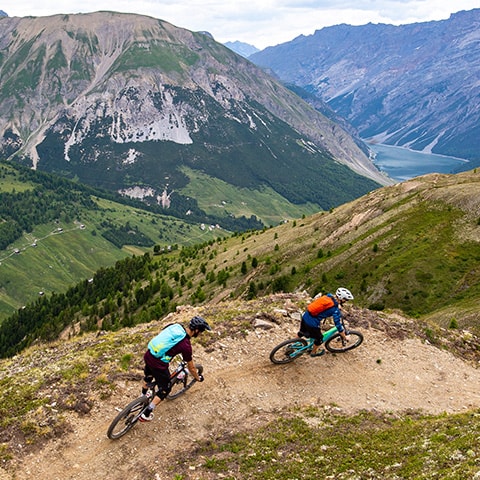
{"x":453,"y":323}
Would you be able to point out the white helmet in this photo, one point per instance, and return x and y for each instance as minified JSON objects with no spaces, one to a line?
{"x":343,"y":294}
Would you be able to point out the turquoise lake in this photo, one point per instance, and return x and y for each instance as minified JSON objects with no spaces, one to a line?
{"x":402,"y":164}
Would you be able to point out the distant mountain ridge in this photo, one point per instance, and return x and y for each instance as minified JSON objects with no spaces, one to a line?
{"x":133,"y":104}
{"x":242,"y":48}
{"x":413,"y":85}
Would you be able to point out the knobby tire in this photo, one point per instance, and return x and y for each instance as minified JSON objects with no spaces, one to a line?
{"x":286,"y":352}
{"x":180,"y":386}
{"x":127,"y":418}
{"x":335,"y":345}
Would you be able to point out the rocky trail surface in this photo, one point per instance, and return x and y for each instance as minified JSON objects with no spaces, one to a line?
{"x":391,"y":371}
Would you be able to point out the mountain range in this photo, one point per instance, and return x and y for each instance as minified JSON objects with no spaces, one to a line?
{"x":414,"y":86}
{"x":133,"y":104}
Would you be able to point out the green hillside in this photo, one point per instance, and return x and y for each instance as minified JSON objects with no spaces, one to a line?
{"x":218,"y":198}
{"x":412,"y":247}
{"x":55,"y":233}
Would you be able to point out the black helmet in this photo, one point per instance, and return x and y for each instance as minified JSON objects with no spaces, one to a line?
{"x":198,"y":323}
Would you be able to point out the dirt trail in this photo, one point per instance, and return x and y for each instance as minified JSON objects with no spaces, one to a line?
{"x":242,"y":390}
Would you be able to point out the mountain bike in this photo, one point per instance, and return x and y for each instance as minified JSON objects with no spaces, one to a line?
{"x":293,"y":348}
{"x":180,"y":382}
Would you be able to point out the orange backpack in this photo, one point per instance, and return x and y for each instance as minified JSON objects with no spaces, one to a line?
{"x":320,"y":304}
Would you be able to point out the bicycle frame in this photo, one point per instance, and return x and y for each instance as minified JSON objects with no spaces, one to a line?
{"x":326,"y":335}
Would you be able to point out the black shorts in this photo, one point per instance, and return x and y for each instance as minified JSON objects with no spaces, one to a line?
{"x":162,"y":378}
{"x":311,"y":332}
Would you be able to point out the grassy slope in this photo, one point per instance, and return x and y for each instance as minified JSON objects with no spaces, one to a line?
{"x":61,"y":259}
{"x":216,"y":197}
{"x":412,"y":246}
{"x":58,"y":261}
{"x":366,"y":445}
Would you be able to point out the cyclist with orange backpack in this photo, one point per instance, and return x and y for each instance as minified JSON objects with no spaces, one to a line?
{"x":322,"y":307}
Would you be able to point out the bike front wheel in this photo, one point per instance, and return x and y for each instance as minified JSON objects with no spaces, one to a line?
{"x":127,"y":418}
{"x":288,"y":351}
{"x":179,"y":385}
{"x":336,"y":344}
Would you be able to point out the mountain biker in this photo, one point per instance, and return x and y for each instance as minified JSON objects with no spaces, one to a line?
{"x":323,"y":307}
{"x":156,"y":364}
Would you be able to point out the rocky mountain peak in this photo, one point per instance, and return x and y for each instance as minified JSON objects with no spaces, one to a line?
{"x":142,"y":98}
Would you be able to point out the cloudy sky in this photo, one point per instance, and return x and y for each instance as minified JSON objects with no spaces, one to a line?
{"x":261,"y":23}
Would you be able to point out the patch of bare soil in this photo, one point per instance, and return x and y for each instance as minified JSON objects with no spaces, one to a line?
{"x":391,"y":371}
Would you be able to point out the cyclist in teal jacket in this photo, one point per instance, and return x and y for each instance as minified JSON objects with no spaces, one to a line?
{"x":157,"y":367}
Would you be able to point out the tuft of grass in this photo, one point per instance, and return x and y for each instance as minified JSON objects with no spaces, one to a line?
{"x":5,"y":453}
{"x":77,"y":370}
{"x":125,"y":361}
{"x":18,"y":398}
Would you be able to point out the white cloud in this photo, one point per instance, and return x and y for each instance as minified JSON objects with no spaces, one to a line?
{"x":262,"y":22}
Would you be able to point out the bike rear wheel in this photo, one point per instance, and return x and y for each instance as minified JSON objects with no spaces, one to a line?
{"x":288,"y":351}
{"x":336,"y":344}
{"x":180,"y":385}
{"x":127,"y":418}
